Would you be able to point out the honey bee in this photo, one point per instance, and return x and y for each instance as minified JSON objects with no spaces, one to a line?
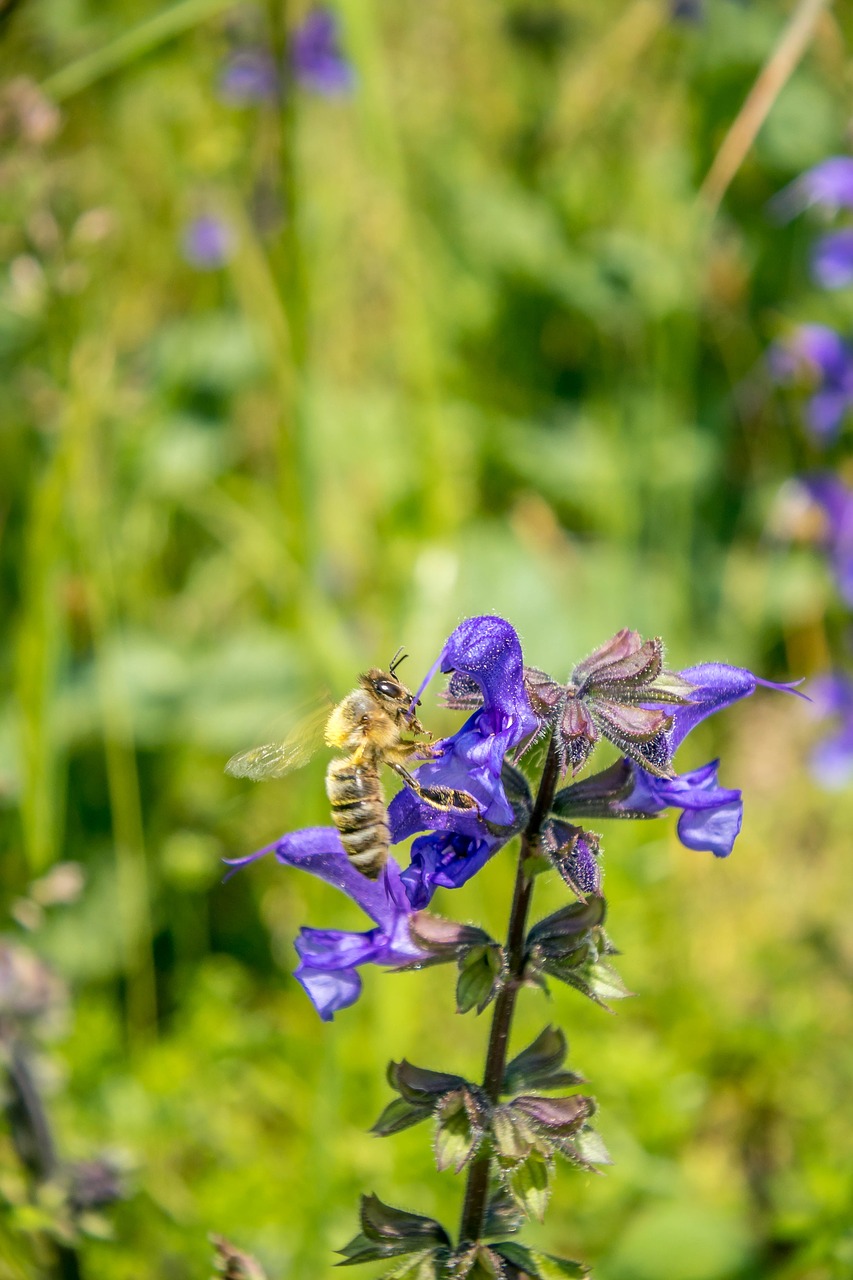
{"x":368,"y":728}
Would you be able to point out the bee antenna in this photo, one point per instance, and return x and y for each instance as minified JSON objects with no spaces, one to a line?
{"x":399,"y":657}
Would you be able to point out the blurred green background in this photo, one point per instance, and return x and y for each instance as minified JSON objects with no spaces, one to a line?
{"x":476,"y":348}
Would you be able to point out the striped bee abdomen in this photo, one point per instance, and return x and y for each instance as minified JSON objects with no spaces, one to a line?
{"x":358,"y":812}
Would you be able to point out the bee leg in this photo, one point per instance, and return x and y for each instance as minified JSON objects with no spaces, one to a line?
{"x":440,"y":797}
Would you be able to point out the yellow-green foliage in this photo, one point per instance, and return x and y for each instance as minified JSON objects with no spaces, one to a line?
{"x":477,"y":349}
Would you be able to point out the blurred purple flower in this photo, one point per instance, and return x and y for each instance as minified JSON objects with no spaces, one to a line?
{"x":249,"y":75}
{"x":316,"y":57}
{"x":835,"y":501}
{"x":832,"y":259}
{"x":687,"y":10}
{"x":832,"y":759}
{"x":828,"y":186}
{"x":816,"y":353}
{"x":329,"y":958}
{"x":207,"y":242}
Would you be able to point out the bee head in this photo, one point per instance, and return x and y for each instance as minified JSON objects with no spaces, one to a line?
{"x":393,"y":696}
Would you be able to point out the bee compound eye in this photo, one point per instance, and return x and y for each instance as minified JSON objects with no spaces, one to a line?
{"x":387,"y":689}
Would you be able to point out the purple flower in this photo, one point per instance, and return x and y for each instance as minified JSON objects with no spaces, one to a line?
{"x":816,"y":353}
{"x":716,"y":685}
{"x":485,"y":652}
{"x":829,"y":186}
{"x":832,"y":759}
{"x":207,"y":242}
{"x":711,"y":815}
{"x":832,"y":259}
{"x":446,"y":860}
{"x":835,"y":501}
{"x":250,"y":75}
{"x":316,"y":57}
{"x":329,"y":958}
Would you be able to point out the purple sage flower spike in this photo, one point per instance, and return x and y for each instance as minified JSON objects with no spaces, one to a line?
{"x":827,"y":186}
{"x":329,"y":958}
{"x":832,"y":259}
{"x":317,"y":61}
{"x":834,"y":501}
{"x":832,"y":759}
{"x":817,"y":355}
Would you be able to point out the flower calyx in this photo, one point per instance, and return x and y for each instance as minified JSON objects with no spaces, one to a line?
{"x":508,"y":1260}
{"x":609,"y":696}
{"x":527,"y":1136}
{"x":540,"y":1065}
{"x":481,"y":960}
{"x":575,"y":853}
{"x":461,"y":1111}
{"x":387,"y":1232}
{"x":520,"y":1262}
{"x":601,"y":795}
{"x":571,"y":945}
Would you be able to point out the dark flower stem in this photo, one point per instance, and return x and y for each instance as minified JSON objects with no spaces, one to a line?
{"x":477,"y":1189}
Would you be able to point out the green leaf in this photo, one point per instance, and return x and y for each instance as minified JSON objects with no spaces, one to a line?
{"x":477,"y":1263}
{"x":400,"y":1115}
{"x":460,"y":1131}
{"x":606,"y":982}
{"x":595,"y":979}
{"x":420,"y":1266}
{"x":586,"y":1149}
{"x":541,"y":1266}
{"x":513,"y":1141}
{"x":479,"y":978}
{"x":528,"y":1184}
{"x":502,"y":1215}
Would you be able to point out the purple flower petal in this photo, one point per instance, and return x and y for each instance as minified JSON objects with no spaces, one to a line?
{"x":715,"y":686}
{"x":317,"y":61}
{"x":329,"y":957}
{"x":711,"y":815}
{"x":829,"y":186}
{"x":329,"y":992}
{"x":488,"y":650}
{"x":445,"y":860}
{"x":832,"y":259}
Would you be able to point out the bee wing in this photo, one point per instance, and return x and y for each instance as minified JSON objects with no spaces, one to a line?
{"x":275,"y":759}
